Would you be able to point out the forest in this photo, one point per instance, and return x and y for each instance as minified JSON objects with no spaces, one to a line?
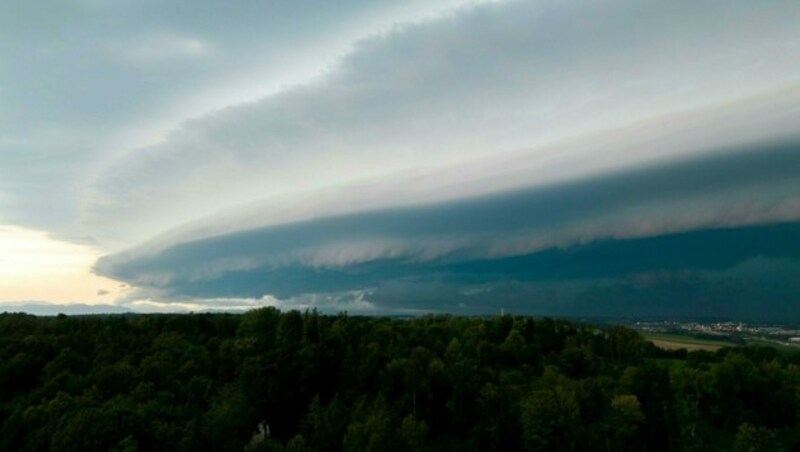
{"x":269,"y":380}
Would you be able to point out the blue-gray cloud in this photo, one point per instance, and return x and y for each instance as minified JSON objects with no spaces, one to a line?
{"x":449,"y":149}
{"x":579,"y":238}
{"x":481,"y":83}
{"x":82,"y":82}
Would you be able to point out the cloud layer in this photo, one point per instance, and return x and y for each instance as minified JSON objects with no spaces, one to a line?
{"x":540,"y":234}
{"x":486,"y":82}
{"x":85,"y":82}
{"x":410,"y":155}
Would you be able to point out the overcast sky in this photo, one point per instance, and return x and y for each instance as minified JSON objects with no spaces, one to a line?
{"x":399,"y":156}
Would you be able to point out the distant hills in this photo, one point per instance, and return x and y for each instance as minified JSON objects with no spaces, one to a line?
{"x":50,"y":309}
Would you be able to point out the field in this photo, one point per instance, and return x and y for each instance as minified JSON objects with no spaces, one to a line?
{"x":782,"y":348}
{"x":674,"y":342}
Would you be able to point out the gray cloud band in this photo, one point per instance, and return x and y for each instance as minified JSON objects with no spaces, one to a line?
{"x":484,"y":81}
{"x":728,"y":190}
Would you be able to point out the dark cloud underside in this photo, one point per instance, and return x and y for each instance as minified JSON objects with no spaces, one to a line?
{"x":518,"y":241}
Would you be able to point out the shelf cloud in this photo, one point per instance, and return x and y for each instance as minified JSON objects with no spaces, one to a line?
{"x":541,"y":234}
{"x":489,"y":82}
{"x":417,"y":155}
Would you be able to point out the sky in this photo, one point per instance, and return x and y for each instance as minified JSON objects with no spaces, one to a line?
{"x":611,"y":157}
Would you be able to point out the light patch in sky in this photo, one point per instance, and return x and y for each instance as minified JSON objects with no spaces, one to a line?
{"x":158,"y":47}
{"x":35,"y":267}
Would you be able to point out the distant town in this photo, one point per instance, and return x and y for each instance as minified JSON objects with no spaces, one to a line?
{"x":735,"y":332}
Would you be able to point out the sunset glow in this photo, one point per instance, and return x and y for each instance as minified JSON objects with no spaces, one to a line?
{"x":34,"y":266}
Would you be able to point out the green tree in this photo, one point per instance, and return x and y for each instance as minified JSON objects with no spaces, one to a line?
{"x":550,"y":415}
{"x":373,"y":432}
{"x":624,"y":421}
{"x":412,"y":434}
{"x":755,"y":439}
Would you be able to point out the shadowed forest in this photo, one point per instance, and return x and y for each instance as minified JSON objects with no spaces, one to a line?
{"x":271,"y":381}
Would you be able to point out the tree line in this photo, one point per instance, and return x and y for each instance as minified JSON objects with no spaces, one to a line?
{"x":274,"y":381}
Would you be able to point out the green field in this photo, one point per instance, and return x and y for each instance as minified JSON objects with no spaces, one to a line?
{"x":675,"y":342}
{"x":780,"y":347}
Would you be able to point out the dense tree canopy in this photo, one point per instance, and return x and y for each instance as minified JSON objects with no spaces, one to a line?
{"x":267,"y":380}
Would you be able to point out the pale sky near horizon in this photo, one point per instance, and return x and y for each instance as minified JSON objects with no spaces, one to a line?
{"x":35,"y":267}
{"x":192,"y":154}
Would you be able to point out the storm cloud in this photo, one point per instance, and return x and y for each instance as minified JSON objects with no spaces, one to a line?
{"x":411,"y":156}
{"x":738,"y":205}
{"x":503,"y":82}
